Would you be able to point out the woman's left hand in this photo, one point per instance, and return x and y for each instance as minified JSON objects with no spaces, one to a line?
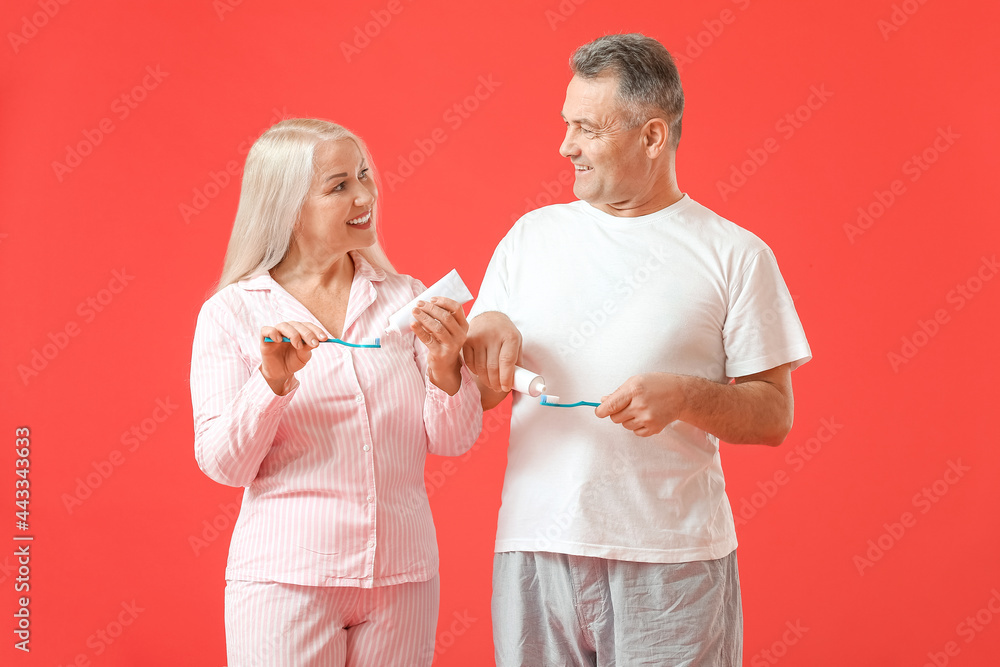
{"x":442,"y":327}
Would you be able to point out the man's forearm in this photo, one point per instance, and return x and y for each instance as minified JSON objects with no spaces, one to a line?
{"x":491,"y":350}
{"x":749,"y":412}
{"x":490,"y":398}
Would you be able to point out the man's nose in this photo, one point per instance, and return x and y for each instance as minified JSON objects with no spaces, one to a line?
{"x":568,"y":148}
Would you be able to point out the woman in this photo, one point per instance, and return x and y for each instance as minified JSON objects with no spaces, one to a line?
{"x":333,"y":559}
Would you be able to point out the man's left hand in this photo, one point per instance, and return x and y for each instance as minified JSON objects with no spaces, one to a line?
{"x":645,"y":403}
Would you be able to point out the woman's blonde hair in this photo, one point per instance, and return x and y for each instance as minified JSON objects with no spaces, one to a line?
{"x":276,"y":179}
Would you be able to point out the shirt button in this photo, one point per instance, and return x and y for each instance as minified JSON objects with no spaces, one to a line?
{"x":370,"y":499}
{"x":366,"y":448}
{"x":359,"y":398}
{"x":371,"y":544}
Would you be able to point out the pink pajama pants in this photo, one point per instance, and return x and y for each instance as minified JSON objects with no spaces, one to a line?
{"x":284,"y":625}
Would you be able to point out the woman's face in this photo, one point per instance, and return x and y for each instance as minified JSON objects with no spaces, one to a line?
{"x":336,"y":215}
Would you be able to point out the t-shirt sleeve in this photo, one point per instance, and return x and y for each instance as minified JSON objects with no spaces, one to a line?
{"x":494,"y":293}
{"x":762,"y":329}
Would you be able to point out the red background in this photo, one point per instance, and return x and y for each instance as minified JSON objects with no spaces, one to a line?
{"x":899,"y":422}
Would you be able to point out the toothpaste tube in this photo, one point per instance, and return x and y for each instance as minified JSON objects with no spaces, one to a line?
{"x":527,"y":382}
{"x":451,"y":287}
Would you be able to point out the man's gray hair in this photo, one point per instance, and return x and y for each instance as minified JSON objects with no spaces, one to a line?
{"x":649,"y":85}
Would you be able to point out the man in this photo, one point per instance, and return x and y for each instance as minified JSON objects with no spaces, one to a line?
{"x":615,"y":540}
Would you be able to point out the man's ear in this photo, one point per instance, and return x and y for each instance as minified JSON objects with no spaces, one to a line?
{"x":655,"y":137}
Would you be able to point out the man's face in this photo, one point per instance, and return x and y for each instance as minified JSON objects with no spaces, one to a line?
{"x":611,"y":166}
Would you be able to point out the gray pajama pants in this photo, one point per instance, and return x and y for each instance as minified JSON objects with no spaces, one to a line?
{"x":557,"y":610}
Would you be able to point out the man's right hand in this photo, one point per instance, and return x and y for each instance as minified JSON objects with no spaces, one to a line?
{"x":491,"y":351}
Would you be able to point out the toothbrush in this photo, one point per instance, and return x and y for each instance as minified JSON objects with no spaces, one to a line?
{"x":365,"y":342}
{"x":553,"y":402}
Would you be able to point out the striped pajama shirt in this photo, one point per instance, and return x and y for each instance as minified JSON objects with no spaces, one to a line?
{"x":333,"y":471}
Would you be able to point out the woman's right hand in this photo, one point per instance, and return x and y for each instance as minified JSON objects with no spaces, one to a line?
{"x":280,"y":360}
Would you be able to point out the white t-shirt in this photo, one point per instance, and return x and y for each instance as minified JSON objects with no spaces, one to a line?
{"x":599,"y":299}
